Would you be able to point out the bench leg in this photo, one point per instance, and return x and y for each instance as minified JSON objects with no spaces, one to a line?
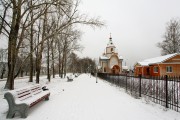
{"x":10,"y":114}
{"x":22,"y":109}
{"x":47,"y":98}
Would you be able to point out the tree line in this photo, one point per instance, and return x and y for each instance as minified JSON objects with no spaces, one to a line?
{"x":41,"y":33}
{"x":81,"y":65}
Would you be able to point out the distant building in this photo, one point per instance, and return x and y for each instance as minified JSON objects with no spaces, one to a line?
{"x":125,"y":69}
{"x":110,"y":61}
{"x":159,"y":66}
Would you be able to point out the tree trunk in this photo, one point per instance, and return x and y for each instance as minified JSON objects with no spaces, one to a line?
{"x":52,"y":49}
{"x":62,"y":66}
{"x":37,"y":73}
{"x":39,"y":57}
{"x":59,"y":55}
{"x":48,"y":70}
{"x":59,"y":66}
{"x":31,"y":49}
{"x":2,"y":74}
{"x":12,"y":51}
{"x":65,"y":56}
{"x":38,"y":65}
{"x":11,"y":60}
{"x":39,"y":62}
{"x":22,"y":72}
{"x":65,"y":63}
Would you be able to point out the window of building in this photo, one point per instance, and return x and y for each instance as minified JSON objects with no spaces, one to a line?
{"x":168,"y":68}
{"x":111,"y":49}
{"x":155,"y":69}
{"x":148,"y":71}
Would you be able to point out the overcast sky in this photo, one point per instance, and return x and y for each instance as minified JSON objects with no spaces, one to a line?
{"x":136,"y":27}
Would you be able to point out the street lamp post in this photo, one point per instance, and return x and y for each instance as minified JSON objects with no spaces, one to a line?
{"x":96,"y":74}
{"x":96,"y":78}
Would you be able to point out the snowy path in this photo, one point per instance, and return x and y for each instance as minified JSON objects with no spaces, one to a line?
{"x":84,"y":99}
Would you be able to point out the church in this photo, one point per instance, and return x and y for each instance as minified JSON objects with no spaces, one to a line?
{"x":110,"y":61}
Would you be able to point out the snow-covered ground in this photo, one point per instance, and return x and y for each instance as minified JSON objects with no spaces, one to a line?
{"x":84,"y":99}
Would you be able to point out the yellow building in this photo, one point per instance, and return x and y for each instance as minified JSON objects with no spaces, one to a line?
{"x":110,"y":61}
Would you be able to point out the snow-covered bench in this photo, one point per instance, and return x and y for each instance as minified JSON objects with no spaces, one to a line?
{"x":70,"y":77}
{"x":20,"y":100}
{"x":76,"y":75}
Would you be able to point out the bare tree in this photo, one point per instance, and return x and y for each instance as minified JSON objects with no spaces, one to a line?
{"x":171,"y":42}
{"x":18,"y":13}
{"x":73,"y":60}
{"x":18,"y":16}
{"x":59,"y":54}
{"x":31,"y":44}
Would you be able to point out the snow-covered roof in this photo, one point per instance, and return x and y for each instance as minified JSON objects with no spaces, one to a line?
{"x":104,"y":58}
{"x":120,"y":57}
{"x":99,"y":67}
{"x":156,"y":59}
{"x":107,"y":58}
{"x":125,"y":67}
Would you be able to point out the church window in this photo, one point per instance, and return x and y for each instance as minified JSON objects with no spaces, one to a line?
{"x":111,"y":49}
{"x":104,"y":69}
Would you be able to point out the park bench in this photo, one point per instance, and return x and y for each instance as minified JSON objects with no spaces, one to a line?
{"x":20,"y":100}
{"x":70,"y":77}
{"x":76,"y":75}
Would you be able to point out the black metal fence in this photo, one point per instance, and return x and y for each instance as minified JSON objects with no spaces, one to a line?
{"x":162,"y":90}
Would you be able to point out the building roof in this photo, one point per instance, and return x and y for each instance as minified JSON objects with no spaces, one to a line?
{"x":107,"y":58}
{"x":120,"y":57}
{"x":104,"y":58}
{"x":157,"y":60}
{"x":125,"y":67}
{"x":99,"y":67}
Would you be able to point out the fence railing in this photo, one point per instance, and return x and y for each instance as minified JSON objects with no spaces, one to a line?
{"x":162,"y":90}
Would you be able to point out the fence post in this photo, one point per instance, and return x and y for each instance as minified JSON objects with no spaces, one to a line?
{"x":140,"y":85}
{"x":126,"y":82}
{"x":166,"y":80}
{"x":107,"y":79}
